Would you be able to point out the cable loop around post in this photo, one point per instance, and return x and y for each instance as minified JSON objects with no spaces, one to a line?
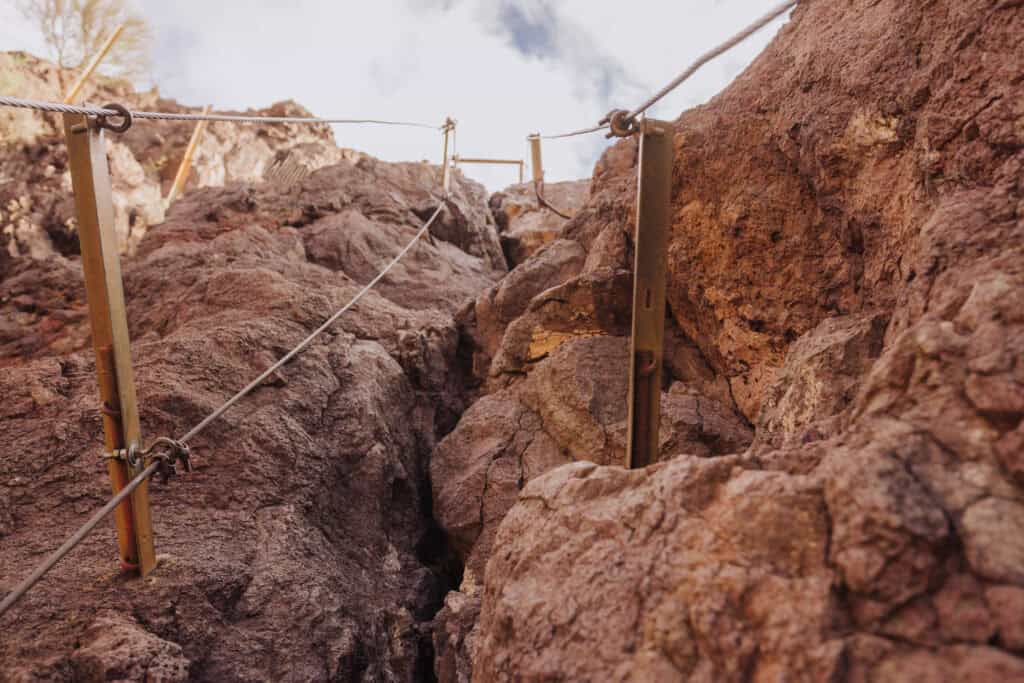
{"x":168,"y":452}
{"x":122,"y":111}
{"x":620,"y":124}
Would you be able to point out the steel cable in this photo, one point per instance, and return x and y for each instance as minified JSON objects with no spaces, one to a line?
{"x":717,"y":51}
{"x":712,"y":54}
{"x":572,"y":134}
{"x":98,"y":517}
{"x":57,"y":107}
{"x":313,"y":335}
{"x":76,"y":538}
{"x":60,"y":108}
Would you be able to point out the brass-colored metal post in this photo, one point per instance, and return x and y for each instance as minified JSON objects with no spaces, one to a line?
{"x":449,"y":126}
{"x":535,"y":160}
{"x":181,"y":177}
{"x":456,"y":160}
{"x":101,"y":266}
{"x":471,"y":160}
{"x":69,"y":98}
{"x":650,"y":243}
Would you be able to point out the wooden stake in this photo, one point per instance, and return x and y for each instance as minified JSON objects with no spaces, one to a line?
{"x":181,"y":177}
{"x":101,"y":266}
{"x":648,"y":336}
{"x":73,"y":93}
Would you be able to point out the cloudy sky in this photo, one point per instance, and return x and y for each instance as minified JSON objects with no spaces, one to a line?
{"x":501,"y":68}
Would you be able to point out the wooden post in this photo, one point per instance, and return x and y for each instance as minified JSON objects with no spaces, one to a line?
{"x":536,"y":165}
{"x":181,"y":177}
{"x":101,"y":266}
{"x":73,"y":92}
{"x":648,"y":336}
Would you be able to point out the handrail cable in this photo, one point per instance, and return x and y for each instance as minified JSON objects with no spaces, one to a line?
{"x":314,"y":334}
{"x":61,"y":108}
{"x":711,"y":54}
{"x":615,"y":124}
{"x":100,"y":514}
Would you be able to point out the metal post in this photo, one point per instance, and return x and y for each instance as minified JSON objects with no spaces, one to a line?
{"x":105,"y":295}
{"x":186,"y":161}
{"x":456,"y":160}
{"x":538,"y":167}
{"x":73,"y":92}
{"x":449,"y":126}
{"x":651,"y":241}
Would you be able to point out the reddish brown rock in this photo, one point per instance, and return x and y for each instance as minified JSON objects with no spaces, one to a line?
{"x":808,"y":396}
{"x":303,"y":545}
{"x":861,"y":231}
{"x":525,"y":225}
{"x":571,"y":407}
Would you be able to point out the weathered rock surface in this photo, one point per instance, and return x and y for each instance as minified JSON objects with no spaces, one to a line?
{"x":36,"y":207}
{"x":303,"y":546}
{"x":848,"y":255}
{"x":846,"y":278}
{"x":525,"y":225}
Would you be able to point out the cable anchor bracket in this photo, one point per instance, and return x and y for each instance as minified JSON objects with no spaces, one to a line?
{"x":167,"y":451}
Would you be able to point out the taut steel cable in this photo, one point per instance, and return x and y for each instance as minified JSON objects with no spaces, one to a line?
{"x":60,"y":108}
{"x":711,"y":54}
{"x":100,"y":514}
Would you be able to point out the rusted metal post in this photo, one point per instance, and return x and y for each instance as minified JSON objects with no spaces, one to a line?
{"x":101,"y":266}
{"x":181,"y":177}
{"x":69,"y":98}
{"x":648,"y":336}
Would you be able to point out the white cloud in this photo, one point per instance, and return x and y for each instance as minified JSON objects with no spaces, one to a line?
{"x":502,"y":68}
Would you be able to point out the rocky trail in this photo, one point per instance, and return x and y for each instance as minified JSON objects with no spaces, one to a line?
{"x":433,"y":490}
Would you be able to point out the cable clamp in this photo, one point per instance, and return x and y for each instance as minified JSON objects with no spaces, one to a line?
{"x":167,"y":451}
{"x":122,"y":111}
{"x":620,"y":124}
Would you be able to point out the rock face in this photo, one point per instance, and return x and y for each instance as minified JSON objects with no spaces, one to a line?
{"x":435,"y":489}
{"x":847,"y":256}
{"x":36,"y":207}
{"x":303,"y":546}
{"x":525,"y":225}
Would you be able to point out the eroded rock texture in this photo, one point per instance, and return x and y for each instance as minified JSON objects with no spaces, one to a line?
{"x":847,"y":256}
{"x":525,"y":225}
{"x":303,"y":547}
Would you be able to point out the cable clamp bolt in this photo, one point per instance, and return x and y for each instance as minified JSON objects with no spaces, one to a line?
{"x":167,"y":451}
